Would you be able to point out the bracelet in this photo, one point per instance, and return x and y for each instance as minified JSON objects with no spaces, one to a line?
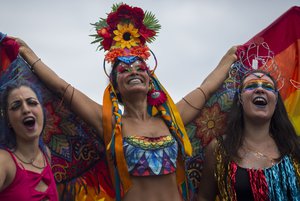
{"x":205,"y":97}
{"x":63,"y":95}
{"x":32,"y":65}
{"x":191,"y":104}
{"x":72,"y":97}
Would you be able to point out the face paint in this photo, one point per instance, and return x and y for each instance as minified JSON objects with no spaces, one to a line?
{"x":256,"y":83}
{"x":137,"y":66}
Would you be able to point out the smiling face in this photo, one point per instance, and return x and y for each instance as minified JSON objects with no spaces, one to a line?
{"x":132,"y":78}
{"x":25,"y":113}
{"x":258,"y":97}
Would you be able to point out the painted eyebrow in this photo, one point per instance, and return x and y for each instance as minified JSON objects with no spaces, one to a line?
{"x":27,"y":99}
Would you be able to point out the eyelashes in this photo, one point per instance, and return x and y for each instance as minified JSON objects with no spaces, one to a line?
{"x":123,"y":69}
{"x":18,"y":104}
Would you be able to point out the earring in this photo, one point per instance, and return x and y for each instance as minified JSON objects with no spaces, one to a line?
{"x":155,"y":97}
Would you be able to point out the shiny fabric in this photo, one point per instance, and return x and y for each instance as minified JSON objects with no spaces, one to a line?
{"x":279,"y":182}
{"x":23,"y":186}
{"x":147,"y":156}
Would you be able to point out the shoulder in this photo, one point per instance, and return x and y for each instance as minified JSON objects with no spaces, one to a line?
{"x":7,"y":169}
{"x":5,"y":158}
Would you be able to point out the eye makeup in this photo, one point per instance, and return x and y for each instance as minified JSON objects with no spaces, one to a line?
{"x":256,"y":83}
{"x":138,"y":66}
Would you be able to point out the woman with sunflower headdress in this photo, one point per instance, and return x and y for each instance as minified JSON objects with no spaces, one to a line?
{"x":146,"y":141}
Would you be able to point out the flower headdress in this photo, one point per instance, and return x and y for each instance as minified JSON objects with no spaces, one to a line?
{"x":124,"y":35}
{"x":256,"y":56}
{"x":125,"y":32}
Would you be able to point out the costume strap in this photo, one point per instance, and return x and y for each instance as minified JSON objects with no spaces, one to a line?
{"x":114,"y":143}
{"x":178,"y":121}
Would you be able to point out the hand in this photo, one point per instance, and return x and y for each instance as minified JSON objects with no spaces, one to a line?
{"x":25,"y":51}
{"x":23,"y":46}
{"x":229,"y":58}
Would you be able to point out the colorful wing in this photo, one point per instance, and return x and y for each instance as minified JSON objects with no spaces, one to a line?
{"x":283,"y":38}
{"x":78,"y":155}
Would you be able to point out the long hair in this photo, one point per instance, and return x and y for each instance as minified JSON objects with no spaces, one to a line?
{"x":7,"y":134}
{"x":281,"y":128}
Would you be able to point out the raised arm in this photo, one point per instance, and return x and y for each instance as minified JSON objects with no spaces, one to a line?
{"x":83,"y":106}
{"x":192,"y":103}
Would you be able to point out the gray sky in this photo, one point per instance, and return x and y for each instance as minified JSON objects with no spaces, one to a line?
{"x":195,"y":35}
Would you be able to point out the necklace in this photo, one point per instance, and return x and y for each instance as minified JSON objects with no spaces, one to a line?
{"x":260,"y":155}
{"x":31,"y":162}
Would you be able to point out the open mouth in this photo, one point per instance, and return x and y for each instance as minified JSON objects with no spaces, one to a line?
{"x":29,"y":121}
{"x":135,"y":80}
{"x":260,"y":101}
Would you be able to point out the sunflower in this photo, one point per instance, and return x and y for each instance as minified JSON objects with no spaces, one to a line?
{"x":126,"y":36}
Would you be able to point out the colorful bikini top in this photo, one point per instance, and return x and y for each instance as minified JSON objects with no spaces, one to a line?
{"x":147,"y":156}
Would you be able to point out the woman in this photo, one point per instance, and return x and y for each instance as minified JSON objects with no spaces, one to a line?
{"x":146,"y":144}
{"x":258,"y":159}
{"x":25,"y":171}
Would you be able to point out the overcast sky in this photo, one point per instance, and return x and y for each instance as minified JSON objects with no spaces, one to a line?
{"x":195,"y":35}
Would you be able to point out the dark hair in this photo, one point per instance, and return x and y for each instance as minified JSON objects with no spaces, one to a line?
{"x":7,"y":135}
{"x":281,"y":128}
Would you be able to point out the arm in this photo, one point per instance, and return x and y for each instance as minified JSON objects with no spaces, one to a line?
{"x":83,"y":106}
{"x":190,"y":105}
{"x":208,"y":186}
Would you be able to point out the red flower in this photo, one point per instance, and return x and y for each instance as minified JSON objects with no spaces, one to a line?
{"x":113,"y":54}
{"x":140,"y":51}
{"x":138,"y":17}
{"x":112,"y":20}
{"x":124,"y":11}
{"x":156,"y":97}
{"x":106,"y":43}
{"x":103,"y":33}
{"x":146,"y":33}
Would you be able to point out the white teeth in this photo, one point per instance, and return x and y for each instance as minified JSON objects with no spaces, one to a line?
{"x":260,"y":101}
{"x":135,"y":81}
{"x":28,"y":119}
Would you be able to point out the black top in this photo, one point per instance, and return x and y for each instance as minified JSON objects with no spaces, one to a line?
{"x":242,"y":185}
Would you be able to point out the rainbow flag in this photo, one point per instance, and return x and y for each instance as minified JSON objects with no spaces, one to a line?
{"x":283,"y":38}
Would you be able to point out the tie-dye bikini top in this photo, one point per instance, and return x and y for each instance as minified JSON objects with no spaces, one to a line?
{"x":146,"y":156}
